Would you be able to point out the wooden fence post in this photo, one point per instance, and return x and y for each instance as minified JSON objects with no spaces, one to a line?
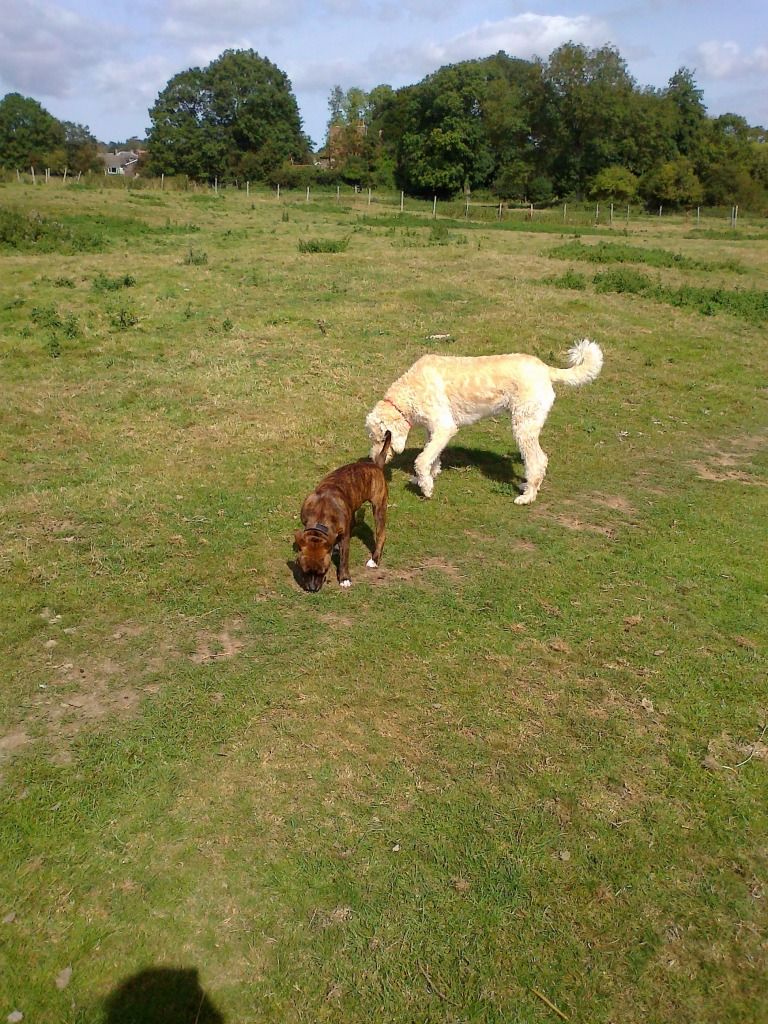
{"x":565,"y":207}
{"x":278,"y":190}
{"x":402,"y":198}
{"x":434,"y":208}
{"x":33,"y":174}
{"x":247,"y":188}
{"x":369,"y":197}
{"x":307,"y":193}
{"x":597,"y":213}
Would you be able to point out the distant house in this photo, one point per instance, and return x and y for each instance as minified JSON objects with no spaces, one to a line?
{"x":125,"y":162}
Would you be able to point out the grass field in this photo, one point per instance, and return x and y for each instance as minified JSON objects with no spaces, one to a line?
{"x":518,"y":773}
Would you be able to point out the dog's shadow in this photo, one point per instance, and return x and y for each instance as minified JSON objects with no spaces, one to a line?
{"x":499,"y":468}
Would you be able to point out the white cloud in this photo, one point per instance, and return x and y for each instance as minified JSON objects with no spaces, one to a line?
{"x":211,"y":20}
{"x":525,"y":35}
{"x":44,"y":47}
{"x":722,"y":60}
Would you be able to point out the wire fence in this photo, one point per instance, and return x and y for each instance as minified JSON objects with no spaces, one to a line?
{"x":379,"y":202}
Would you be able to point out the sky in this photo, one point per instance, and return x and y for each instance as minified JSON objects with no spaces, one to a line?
{"x":103,"y":63}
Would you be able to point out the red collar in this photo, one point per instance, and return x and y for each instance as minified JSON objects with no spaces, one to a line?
{"x":390,"y":402}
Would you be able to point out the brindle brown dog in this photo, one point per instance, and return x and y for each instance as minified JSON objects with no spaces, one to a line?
{"x":328,"y":515}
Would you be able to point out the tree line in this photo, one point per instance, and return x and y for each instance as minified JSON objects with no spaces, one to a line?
{"x":31,"y":137}
{"x":574,"y":125}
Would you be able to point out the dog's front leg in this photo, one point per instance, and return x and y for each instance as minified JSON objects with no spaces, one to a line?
{"x":431,"y":454}
{"x":343,"y":576}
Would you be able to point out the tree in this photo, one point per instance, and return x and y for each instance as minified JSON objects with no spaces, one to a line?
{"x":444,"y":147}
{"x":236,"y":117}
{"x":29,"y":135}
{"x":673,"y":183}
{"x":614,"y":182}
{"x":591,"y":96}
{"x":689,"y":127}
{"x":81,"y":148}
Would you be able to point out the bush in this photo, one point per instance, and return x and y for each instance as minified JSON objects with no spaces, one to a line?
{"x":623,"y":279}
{"x":323,"y":244}
{"x":102,"y":283}
{"x":570,"y":279}
{"x":196,"y":258}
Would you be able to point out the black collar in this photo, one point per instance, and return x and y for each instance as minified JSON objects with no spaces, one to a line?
{"x":317,"y":528}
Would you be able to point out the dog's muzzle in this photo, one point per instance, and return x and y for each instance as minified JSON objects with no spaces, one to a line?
{"x":313,"y":581}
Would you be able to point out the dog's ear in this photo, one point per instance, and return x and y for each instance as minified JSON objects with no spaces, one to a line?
{"x":297,"y":538}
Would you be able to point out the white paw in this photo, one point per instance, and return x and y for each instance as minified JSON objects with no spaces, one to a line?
{"x":370,"y":564}
{"x":426,"y":488}
{"x":345,"y":583}
{"x":525,"y":498}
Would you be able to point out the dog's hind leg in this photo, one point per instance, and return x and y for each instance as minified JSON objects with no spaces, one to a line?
{"x":526,"y":426}
{"x":380,"y":519}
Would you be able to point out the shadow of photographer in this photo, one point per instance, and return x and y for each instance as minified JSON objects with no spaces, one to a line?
{"x":161,"y":995}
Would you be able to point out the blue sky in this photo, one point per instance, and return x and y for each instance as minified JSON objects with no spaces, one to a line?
{"x":103,"y":64}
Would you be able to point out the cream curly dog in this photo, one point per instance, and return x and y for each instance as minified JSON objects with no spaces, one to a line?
{"x":443,"y":393}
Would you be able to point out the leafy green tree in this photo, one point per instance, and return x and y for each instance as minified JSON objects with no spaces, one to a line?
{"x":690,"y":123}
{"x":237,"y":116}
{"x":615,"y":182}
{"x":445,"y":147}
{"x":591,"y":92}
{"x":673,"y":183}
{"x":29,"y":135}
{"x":81,"y":148}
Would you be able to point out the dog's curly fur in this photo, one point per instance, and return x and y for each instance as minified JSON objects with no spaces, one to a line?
{"x":443,"y":393}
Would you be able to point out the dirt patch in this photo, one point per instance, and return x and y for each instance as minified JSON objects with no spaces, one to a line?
{"x":77,"y":694}
{"x":417,"y":573}
{"x":615,"y":502}
{"x":336,"y":621}
{"x":572,"y":523}
{"x":11,"y":742}
{"x":218,"y":646}
{"x":730,"y":463}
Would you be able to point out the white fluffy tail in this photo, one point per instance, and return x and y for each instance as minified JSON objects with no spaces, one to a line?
{"x":585,"y":361}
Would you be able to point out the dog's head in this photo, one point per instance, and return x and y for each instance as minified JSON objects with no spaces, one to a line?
{"x":313,"y":559}
{"x":382,"y":418}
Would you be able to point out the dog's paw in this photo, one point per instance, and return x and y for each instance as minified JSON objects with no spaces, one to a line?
{"x":427,"y":487}
{"x":345,"y":583}
{"x":525,"y":498}
{"x":370,"y":564}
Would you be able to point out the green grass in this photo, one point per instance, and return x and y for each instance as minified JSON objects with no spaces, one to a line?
{"x":526,"y":755}
{"x":748,"y":304}
{"x":613,"y":252}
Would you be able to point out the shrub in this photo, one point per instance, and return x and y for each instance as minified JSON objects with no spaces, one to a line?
{"x":196,"y":258}
{"x":102,"y":283}
{"x":623,"y":279}
{"x":123,"y":318}
{"x":323,"y":244}
{"x":570,"y":279}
